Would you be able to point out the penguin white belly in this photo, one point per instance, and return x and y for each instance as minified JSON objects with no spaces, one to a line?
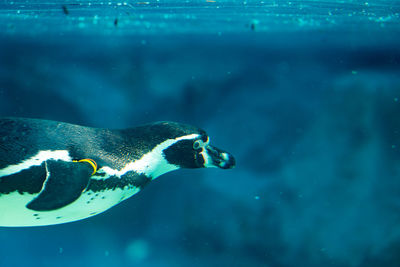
{"x":87,"y":205}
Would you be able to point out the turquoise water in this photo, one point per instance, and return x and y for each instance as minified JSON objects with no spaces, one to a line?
{"x":305,"y":94}
{"x":125,"y":18}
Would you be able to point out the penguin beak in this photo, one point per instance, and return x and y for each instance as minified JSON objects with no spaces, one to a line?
{"x":218,"y":158}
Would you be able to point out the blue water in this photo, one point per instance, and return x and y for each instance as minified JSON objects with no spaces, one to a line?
{"x":305,"y":94}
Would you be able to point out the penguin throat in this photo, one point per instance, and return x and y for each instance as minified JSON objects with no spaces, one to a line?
{"x":151,"y":164}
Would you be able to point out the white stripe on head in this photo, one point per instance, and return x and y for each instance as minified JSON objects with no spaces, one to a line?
{"x":151,"y":164}
{"x":36,"y":160}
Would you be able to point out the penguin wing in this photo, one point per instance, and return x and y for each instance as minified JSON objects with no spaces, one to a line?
{"x":65,"y":182}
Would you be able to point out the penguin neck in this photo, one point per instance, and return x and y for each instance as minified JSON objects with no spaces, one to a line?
{"x":152,"y":164}
{"x":161,"y":168}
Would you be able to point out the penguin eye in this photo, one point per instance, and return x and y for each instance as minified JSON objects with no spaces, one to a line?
{"x":197,"y":144}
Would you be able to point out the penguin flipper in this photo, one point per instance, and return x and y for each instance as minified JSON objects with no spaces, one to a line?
{"x":65,"y":182}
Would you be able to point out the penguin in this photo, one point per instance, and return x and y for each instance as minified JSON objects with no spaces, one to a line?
{"x":55,"y":172}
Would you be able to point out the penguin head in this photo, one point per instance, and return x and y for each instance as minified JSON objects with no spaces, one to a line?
{"x":191,"y":149}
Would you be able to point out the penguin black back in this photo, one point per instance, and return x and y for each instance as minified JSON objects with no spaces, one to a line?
{"x":25,"y":137}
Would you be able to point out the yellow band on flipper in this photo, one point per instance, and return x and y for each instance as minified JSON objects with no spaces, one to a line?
{"x":91,"y":162}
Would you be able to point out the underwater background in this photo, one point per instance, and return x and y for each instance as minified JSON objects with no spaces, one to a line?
{"x":305,"y":94}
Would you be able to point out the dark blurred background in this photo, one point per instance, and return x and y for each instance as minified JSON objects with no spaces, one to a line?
{"x":312,"y":117}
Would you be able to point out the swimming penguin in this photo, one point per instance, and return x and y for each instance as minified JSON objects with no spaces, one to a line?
{"x":54,"y":172}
